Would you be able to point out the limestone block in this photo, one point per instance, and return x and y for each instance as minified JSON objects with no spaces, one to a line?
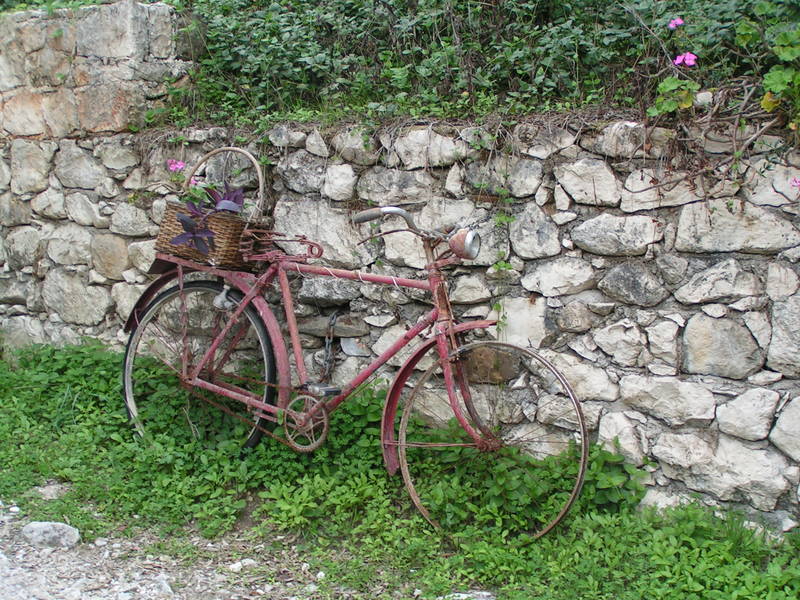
{"x":30,"y":165}
{"x":589,"y":181}
{"x":784,"y":347}
{"x":328,"y":291}
{"x":423,"y":147}
{"x":782,"y":281}
{"x":617,"y":433}
{"x":339,"y":182}
{"x":733,"y":225}
{"x":647,"y":189}
{"x":541,"y":142}
{"x":302,"y":172}
{"x":533,"y":234}
{"x":22,"y":114}
{"x":83,"y":211}
{"x":355,"y":145}
{"x":786,"y":433}
{"x":623,"y":341}
{"x":346,"y":326}
{"x":628,"y":139}
{"x":14,"y":290}
{"x":388,"y":337}
{"x":674,"y":401}
{"x":60,"y":111}
{"x":110,"y":105}
{"x":720,"y":347}
{"x":726,"y":281}
{"x":110,"y":255}
{"x":20,"y":331}
{"x":523,"y":321}
{"x":113,"y":31}
{"x":142,"y":254}
{"x":470,"y":289}
{"x":5,"y":176}
{"x":633,"y":283}
{"x":684,"y":450}
{"x":672,"y":267}
{"x":559,"y":276}
{"x":117,"y":153}
{"x":68,"y":296}
{"x":125,"y":296}
{"x":589,"y":382}
{"x":50,"y":203}
{"x":131,"y":220}
{"x":503,"y":175}
{"x":759,"y":326}
{"x":315,"y":144}
{"x":14,"y":211}
{"x":749,"y":415}
{"x":51,"y":535}
{"x":328,"y":226}
{"x":662,"y":337}
{"x":575,"y":317}
{"x":76,"y":168}
{"x":385,"y":187}
{"x":768,"y":184}
{"x":161,"y":32}
{"x":22,"y":247}
{"x":617,"y":236}
{"x":70,"y":244}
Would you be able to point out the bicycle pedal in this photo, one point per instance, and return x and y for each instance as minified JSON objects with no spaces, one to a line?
{"x":317,"y":389}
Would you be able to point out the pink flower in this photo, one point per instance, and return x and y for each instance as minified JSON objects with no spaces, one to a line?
{"x":175,"y":165}
{"x":795,"y":182}
{"x":687,"y":58}
{"x":194,"y":181}
{"x":675,"y":23}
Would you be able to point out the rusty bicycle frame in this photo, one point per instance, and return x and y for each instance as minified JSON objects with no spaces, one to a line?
{"x":440,"y":321}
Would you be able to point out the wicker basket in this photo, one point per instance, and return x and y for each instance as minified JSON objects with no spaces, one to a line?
{"x":227,"y":227}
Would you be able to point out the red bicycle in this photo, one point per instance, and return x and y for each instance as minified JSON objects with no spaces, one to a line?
{"x":468,"y":419}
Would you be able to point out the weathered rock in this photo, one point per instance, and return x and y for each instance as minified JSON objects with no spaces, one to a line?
{"x":662,"y":337}
{"x":302,"y":172}
{"x":674,"y":401}
{"x":83,"y":211}
{"x":533,"y":234}
{"x":5,"y":176}
{"x":117,"y":154}
{"x":617,"y":433}
{"x":559,"y":277}
{"x":646,"y":189}
{"x":76,"y":168}
{"x":589,"y":181}
{"x":284,"y":137}
{"x":51,"y":535}
{"x":50,"y":203}
{"x":784,"y":347}
{"x":339,"y":183}
{"x":523,"y":321}
{"x":785,"y":433}
{"x":70,"y":245}
{"x":575,"y":317}
{"x":22,"y":247}
{"x":142,"y":254}
{"x":315,"y":144}
{"x":30,"y":165}
{"x":749,"y":415}
{"x":623,"y":341}
{"x":328,"y":291}
{"x":617,"y":236}
{"x":633,"y":283}
{"x":110,"y":255}
{"x":628,"y":139}
{"x":470,"y":289}
{"x":388,"y":337}
{"x":720,"y":347}
{"x":133,"y":221}
{"x":541,"y":142}
{"x":357,"y":146}
{"x":769,"y":184}
{"x":503,"y":176}
{"x":125,"y":296}
{"x":13,"y":211}
{"x":782,"y":281}
{"x":587,"y":381}
{"x":759,"y":326}
{"x":726,"y":281}
{"x":672,"y":267}
{"x":346,"y":326}
{"x":391,"y":186}
{"x":733,"y":225}
{"x":68,"y":296}
{"x":423,"y":147}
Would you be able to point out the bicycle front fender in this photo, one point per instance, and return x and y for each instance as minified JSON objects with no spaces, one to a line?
{"x":388,"y":443}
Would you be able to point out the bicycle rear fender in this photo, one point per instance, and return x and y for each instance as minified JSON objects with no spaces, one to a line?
{"x":147,"y":296}
{"x":390,"y":458}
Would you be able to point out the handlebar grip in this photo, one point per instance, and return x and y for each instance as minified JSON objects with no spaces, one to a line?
{"x":368,"y":215}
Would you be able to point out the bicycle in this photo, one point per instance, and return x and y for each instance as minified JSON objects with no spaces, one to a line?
{"x":489,"y":421}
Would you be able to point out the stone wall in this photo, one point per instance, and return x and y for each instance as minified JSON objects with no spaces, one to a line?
{"x":670,"y":301}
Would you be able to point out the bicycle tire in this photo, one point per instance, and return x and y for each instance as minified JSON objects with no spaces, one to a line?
{"x":528,"y":469}
{"x":183,"y":321}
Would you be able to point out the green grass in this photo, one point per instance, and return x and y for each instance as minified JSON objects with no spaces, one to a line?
{"x":62,"y":418}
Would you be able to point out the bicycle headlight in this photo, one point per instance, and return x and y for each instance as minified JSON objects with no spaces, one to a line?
{"x":465,"y":243}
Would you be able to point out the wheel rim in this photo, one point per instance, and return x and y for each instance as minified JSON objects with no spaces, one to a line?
{"x":181,"y":323}
{"x":527,"y":467}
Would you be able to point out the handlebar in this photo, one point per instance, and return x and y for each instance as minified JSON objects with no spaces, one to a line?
{"x":376,"y":213}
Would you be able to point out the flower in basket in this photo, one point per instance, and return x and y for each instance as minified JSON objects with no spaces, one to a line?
{"x":207,"y":201}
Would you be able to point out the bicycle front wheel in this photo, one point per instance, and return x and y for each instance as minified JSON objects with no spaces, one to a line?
{"x":527,"y":467}
{"x":175,"y":331}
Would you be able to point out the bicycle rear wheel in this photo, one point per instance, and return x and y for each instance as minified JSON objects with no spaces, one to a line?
{"x":174,"y":332}
{"x":527,"y":468}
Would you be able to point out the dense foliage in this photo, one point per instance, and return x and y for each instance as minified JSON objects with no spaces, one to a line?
{"x":460,"y":57}
{"x":62,"y":418}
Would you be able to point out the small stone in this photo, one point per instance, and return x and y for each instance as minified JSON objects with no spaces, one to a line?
{"x":51,"y":535}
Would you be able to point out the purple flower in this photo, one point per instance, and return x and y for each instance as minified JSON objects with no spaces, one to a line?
{"x":675,"y":23}
{"x":197,"y":235}
{"x":175,"y":165}
{"x":687,"y":58}
{"x":232,"y":200}
{"x":795,"y":182}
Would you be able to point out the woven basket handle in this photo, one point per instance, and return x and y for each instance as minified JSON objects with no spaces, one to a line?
{"x":259,"y":173}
